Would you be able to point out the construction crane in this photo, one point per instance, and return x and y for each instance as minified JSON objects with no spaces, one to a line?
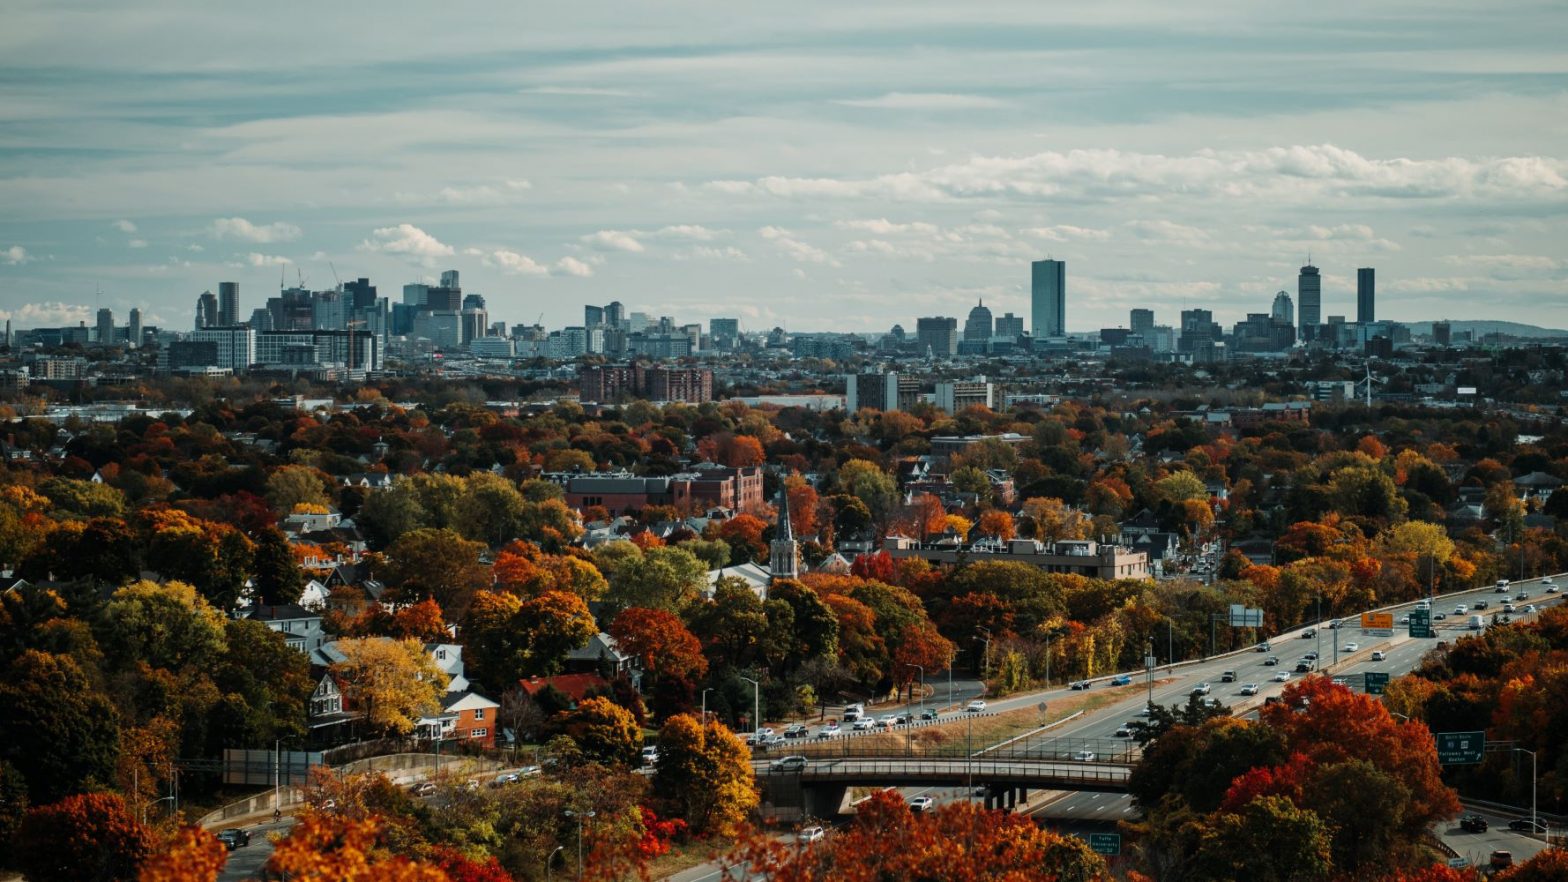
{"x":335,"y":275}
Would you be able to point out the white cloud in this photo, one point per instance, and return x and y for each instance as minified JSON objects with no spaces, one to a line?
{"x":137,"y":243}
{"x":1341,"y":231}
{"x":511,"y":262}
{"x":795,"y":249}
{"x":614,"y":240}
{"x":571,"y":266}
{"x":258,"y":260}
{"x":708,"y":252}
{"x":194,"y":247}
{"x":243,"y":230}
{"x":124,"y":226}
{"x":1292,"y":174}
{"x":1067,"y":233}
{"x":16,"y":255}
{"x":884,"y":227}
{"x":688,"y":231}
{"x":924,"y":101}
{"x":1170,"y":232}
{"x":47,"y":314}
{"x":409,"y":240}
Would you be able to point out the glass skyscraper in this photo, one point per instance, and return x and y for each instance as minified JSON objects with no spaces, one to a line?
{"x":1048,"y":298}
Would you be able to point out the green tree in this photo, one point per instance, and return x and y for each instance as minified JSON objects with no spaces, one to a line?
{"x":70,"y":740}
{"x":604,"y":731}
{"x":971,"y":480}
{"x":1268,"y":840}
{"x":866,"y":481}
{"x":166,"y":625}
{"x":438,"y":564}
{"x":490,"y":510}
{"x":293,"y":485}
{"x":82,"y":500}
{"x":265,"y":686}
{"x":666,"y":578}
{"x":1178,"y":487}
{"x":388,"y":514}
{"x":704,"y":774}
{"x":279,"y":579}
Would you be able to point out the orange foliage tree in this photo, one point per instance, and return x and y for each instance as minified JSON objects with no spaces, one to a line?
{"x":998,"y":524}
{"x":332,"y":848}
{"x":89,"y":836}
{"x":662,"y":641}
{"x":959,"y":842}
{"x":191,"y":855}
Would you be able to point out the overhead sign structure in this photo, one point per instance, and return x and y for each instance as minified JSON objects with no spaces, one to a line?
{"x":1421,"y":623}
{"x":1244,"y":617}
{"x":1376,"y":682}
{"x":1109,"y":844}
{"x":1460,"y":748}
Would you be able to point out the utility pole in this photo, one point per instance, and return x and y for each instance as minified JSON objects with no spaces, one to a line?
{"x":756,"y":705}
{"x":705,"y":704}
{"x":1148,"y":665}
{"x":580,"y":816}
{"x":1534,"y":817}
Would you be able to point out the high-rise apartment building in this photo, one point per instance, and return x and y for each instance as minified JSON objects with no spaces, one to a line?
{"x":1141,"y":323}
{"x":105,"y":326}
{"x":889,"y":391}
{"x":593,"y":316}
{"x":1284,"y":309}
{"x":1009,"y":326}
{"x":725,"y":332}
{"x":1309,"y":302}
{"x":979,"y":326}
{"x":228,"y":304}
{"x":1366,"y":295}
{"x":1048,"y":298}
{"x":938,"y":334}
{"x":615,"y":315}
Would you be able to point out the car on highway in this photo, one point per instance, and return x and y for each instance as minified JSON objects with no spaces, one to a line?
{"x":1333,"y":625}
{"x":1309,"y":633}
{"x":1461,"y":609}
{"x":1080,"y":684}
{"x":1521,"y":595}
{"x":1502,"y":586}
{"x":1529,"y":608}
{"x":1546,"y":582}
{"x":1473,"y":823}
{"x":1282,"y":677}
{"x":853,"y":712}
{"x":787,"y":764}
{"x":828,"y":731}
{"x":1121,"y":680}
{"x":1228,"y":677}
{"x":426,"y":788}
{"x":234,"y":838}
{"x":1501,"y":859}
{"x":1263,"y":647}
{"x":975,"y":706}
{"x":1404,"y":619}
{"x":1480,"y":604}
{"x":1084,"y":756}
{"x":1146,"y":711}
{"x":1526,"y":825}
{"x":1271,"y":661}
{"x":1508,"y":608}
{"x":1305,"y":666}
{"x":1123,"y":731}
{"x":1311,"y":656}
{"x":506,"y":778}
{"x":1379,"y":655}
{"x":1551,"y":589}
{"x":1438,"y":617}
{"x":864,"y":724}
{"x":808,"y":835}
{"x":650,"y":755}
{"x":921,"y":804}
{"x":1249,"y":689}
{"x":887,"y":721}
{"x":1340,"y":681}
{"x":795,"y":730}
{"x":930,"y":714}
{"x":1202,"y":689}
{"x":1352,"y":647}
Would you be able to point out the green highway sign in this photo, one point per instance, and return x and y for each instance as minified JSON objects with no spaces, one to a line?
{"x":1109,"y":844}
{"x":1376,"y":682}
{"x":1421,"y":623}
{"x":1460,"y":748}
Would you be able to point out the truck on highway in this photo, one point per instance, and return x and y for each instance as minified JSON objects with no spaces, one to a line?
{"x":1477,"y":623}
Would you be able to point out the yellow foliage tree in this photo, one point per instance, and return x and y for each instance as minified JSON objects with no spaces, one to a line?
{"x":393,"y":681}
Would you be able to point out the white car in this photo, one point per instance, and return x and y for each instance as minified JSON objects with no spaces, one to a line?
{"x":1084,"y":756}
{"x":1352,"y":647}
{"x":887,"y":721}
{"x":1123,"y":731}
{"x":1461,"y":609}
{"x":810,"y":834}
{"x":1282,"y":677}
{"x":863,"y":724}
{"x":921,"y":804}
{"x":1340,"y":681}
{"x":975,"y":706}
{"x":650,"y":755}
{"x":1202,"y":689}
{"x":1249,"y":689}
{"x":1529,"y":608}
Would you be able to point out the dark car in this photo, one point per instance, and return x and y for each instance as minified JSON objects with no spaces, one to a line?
{"x":1271,"y":661}
{"x":1526,"y":825}
{"x":1473,"y":824}
{"x":234,"y":838}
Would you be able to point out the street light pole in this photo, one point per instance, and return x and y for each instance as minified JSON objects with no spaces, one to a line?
{"x":1534,"y":820}
{"x":580,"y":816}
{"x":756,"y":705}
{"x":705,"y":704}
{"x":985,"y":660}
{"x":922,"y":670}
{"x":549,"y":861}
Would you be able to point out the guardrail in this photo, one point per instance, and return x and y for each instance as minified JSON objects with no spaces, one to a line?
{"x":1063,"y":749}
{"x":1055,"y":775}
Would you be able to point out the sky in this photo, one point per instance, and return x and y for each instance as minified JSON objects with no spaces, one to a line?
{"x":814,"y":165}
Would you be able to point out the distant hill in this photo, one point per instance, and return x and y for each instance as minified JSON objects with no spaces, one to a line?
{"x":1479,"y":329}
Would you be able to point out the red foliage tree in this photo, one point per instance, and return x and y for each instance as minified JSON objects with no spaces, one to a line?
{"x":89,"y":837}
{"x":663,"y":642}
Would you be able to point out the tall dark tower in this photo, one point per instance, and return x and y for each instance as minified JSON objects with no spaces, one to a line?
{"x":228,"y":304}
{"x":784,"y":551}
{"x":1366,"y":295}
{"x":1309,"y":301}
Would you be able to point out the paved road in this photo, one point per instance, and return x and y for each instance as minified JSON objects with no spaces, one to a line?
{"x":1478,"y":847}
{"x":246,"y":863}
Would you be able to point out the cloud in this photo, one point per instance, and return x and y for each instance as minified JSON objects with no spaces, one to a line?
{"x":884,"y":227}
{"x":924,"y":101}
{"x":515,"y":264}
{"x":255,"y":259}
{"x":688,"y":231}
{"x":137,"y":243}
{"x":407,"y":240}
{"x":16,"y":255}
{"x":1067,"y":233}
{"x":614,"y":240}
{"x":1290,"y":174}
{"x":243,"y":230}
{"x":795,"y":249}
{"x":1509,"y":267}
{"x":580,"y":91}
{"x":1342,"y":231}
{"x":124,"y":226}
{"x":194,"y":247}
{"x":1168,"y":232}
{"x":47,"y":314}
{"x":707,"y":252}
{"x":571,"y":266}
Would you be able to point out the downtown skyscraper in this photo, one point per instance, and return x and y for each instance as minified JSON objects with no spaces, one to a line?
{"x":1309,"y":301}
{"x":1366,"y":295}
{"x":1048,"y":298}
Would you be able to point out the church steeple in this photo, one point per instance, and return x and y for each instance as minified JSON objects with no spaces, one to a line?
{"x":784,"y":551}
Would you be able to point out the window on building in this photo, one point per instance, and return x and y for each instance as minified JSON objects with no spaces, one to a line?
{"x":479,"y":713}
{"x":478,"y":733}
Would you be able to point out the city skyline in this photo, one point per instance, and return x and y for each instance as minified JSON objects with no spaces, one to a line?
{"x":823,"y":168}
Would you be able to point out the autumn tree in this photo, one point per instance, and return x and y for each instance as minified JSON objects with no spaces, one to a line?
{"x":166,"y":625}
{"x":659,"y":578}
{"x":394,"y":682}
{"x":704,"y":773}
{"x":958,"y":841}
{"x":89,"y":837}
{"x":279,"y":579}
{"x":191,"y":854}
{"x":661,"y":641}
{"x":333,"y":848}
{"x":874,"y":488}
{"x":604,"y":731}
{"x":999,"y":524}
{"x":295,"y":485}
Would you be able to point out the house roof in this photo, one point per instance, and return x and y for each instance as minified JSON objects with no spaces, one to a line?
{"x":1538,"y":479}
{"x":600,"y":645}
{"x":280,"y":613}
{"x":461,"y":701}
{"x":573,"y":686}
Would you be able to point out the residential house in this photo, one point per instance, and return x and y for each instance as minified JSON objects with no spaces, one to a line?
{"x":600,"y":655}
{"x":301,"y":628}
